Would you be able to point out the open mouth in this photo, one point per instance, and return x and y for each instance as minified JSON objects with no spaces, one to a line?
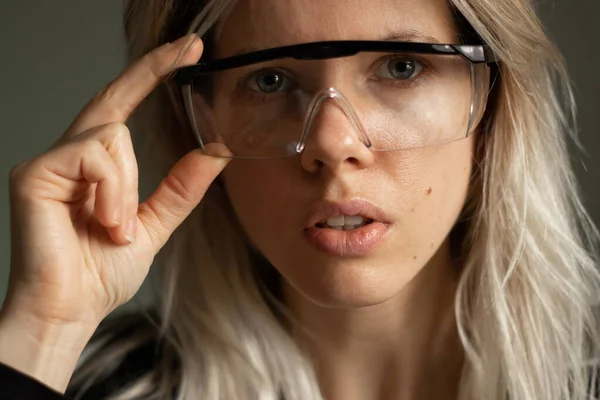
{"x":344,"y":222}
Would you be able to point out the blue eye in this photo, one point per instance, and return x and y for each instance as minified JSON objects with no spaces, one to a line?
{"x":400,"y":69}
{"x":269,"y":81}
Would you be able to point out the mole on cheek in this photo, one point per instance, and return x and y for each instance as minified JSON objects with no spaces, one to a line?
{"x":428,"y":191}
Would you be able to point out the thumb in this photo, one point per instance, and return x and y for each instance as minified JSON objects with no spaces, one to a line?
{"x":178,"y":194}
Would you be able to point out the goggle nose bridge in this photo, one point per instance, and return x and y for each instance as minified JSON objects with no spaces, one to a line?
{"x":314,"y":107}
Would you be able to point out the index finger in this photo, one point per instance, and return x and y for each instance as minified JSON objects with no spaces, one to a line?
{"x":120,"y":98}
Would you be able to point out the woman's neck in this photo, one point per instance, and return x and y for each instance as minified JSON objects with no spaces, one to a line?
{"x":405,"y":348}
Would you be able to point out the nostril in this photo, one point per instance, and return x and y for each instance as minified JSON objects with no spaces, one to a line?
{"x":353,"y":160}
{"x":314,"y":165}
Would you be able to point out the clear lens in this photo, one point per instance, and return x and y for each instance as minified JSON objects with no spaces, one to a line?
{"x":394,"y":101}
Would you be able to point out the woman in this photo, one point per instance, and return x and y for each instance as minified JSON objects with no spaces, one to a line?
{"x":380,"y":218}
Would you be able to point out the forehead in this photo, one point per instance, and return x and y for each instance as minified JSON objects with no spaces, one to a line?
{"x":259,"y":24}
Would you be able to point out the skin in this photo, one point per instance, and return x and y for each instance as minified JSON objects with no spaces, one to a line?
{"x":380,"y":326}
{"x":377,"y":327}
{"x":81,"y":243}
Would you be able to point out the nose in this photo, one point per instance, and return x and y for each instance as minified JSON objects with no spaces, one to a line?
{"x":333,"y":137}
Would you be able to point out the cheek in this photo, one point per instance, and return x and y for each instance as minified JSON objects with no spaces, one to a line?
{"x":261,"y":193}
{"x":432,"y":197}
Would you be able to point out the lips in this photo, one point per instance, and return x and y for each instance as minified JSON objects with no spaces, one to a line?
{"x":360,"y":241}
{"x":359,"y":207}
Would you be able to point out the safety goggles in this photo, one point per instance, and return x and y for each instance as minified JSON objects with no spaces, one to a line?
{"x":393,"y":95}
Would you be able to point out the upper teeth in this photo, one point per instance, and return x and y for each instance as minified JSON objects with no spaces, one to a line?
{"x":342,"y":220}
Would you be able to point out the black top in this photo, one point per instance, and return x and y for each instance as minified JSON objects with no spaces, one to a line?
{"x":15,"y":385}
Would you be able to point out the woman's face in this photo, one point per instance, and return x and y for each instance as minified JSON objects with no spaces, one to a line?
{"x":413,"y":196}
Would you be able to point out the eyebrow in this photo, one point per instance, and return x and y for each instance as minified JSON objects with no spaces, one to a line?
{"x":410,"y":35}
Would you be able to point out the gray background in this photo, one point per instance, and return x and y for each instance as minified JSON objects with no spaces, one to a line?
{"x":56,"y":54}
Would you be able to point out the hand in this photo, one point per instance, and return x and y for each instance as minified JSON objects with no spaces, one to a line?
{"x":81,"y":243}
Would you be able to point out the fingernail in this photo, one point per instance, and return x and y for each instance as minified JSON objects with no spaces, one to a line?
{"x":222,"y":160}
{"x":131,"y":230}
{"x":118,"y":215}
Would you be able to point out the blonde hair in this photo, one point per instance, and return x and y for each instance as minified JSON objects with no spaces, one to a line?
{"x":527,"y":301}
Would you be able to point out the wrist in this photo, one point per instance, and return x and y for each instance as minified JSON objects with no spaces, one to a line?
{"x":47,"y":352}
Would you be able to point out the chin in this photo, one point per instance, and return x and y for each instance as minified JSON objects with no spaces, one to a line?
{"x":348,"y":284}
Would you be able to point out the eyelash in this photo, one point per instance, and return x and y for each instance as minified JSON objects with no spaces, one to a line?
{"x":257,"y":95}
{"x":423,"y":74}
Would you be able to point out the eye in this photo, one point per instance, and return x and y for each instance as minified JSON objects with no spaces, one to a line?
{"x":269,"y":81}
{"x":400,"y":68}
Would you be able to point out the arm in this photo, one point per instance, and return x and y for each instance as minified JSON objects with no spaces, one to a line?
{"x":38,"y":354}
